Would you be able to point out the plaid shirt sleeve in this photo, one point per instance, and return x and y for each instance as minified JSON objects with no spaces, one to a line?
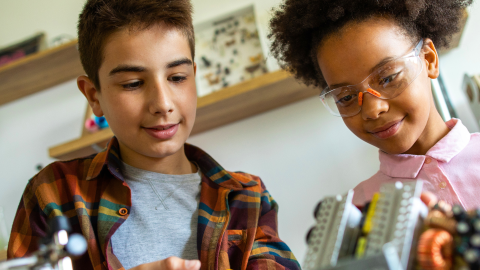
{"x":269,"y":251}
{"x":29,"y":225}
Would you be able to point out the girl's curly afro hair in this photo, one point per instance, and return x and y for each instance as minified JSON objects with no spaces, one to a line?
{"x":299,"y":26}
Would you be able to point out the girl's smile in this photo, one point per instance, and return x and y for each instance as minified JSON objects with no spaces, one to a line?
{"x":387,"y":130}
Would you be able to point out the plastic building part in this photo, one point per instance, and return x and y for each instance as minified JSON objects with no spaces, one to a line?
{"x":391,"y":227}
{"x":337,"y":225}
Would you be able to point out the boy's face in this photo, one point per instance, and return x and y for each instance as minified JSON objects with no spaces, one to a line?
{"x":392,"y":125}
{"x":148,"y":93}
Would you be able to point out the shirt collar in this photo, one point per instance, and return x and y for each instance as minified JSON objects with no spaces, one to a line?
{"x":408,"y":166}
{"x":215,"y":172}
{"x":110,"y":158}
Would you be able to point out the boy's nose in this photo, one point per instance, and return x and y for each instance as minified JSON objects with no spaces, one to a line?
{"x":372,"y":105}
{"x":160,"y":100}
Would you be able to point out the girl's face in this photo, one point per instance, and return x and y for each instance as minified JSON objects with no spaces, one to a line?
{"x":393,"y":125}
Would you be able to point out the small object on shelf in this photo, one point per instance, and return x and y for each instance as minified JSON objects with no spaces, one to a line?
{"x":91,"y":126}
{"x":95,"y":123}
{"x":23,"y":48}
{"x":101,"y":122}
{"x":232,"y":43}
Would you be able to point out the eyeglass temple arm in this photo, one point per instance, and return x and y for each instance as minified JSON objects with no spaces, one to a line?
{"x":418,"y":48}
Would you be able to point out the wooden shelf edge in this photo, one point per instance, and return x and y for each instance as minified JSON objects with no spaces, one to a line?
{"x":3,"y":255}
{"x":39,"y":55}
{"x":65,"y":150}
{"x":40,"y":71}
{"x":242,"y":87}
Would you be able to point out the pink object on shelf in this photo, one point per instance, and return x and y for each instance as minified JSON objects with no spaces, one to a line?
{"x":91,"y":126}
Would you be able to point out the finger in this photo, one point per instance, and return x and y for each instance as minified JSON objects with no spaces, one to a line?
{"x":429,"y":199}
{"x":192,"y":264}
{"x":175,"y":263}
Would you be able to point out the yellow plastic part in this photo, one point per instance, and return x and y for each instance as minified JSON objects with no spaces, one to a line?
{"x":361,"y":246}
{"x":367,"y":226}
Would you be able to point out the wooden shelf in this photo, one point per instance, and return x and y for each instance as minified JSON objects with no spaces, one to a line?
{"x":228,"y":105}
{"x":39,"y":71}
{"x":3,"y":255}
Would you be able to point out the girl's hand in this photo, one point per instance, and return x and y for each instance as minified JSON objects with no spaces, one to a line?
{"x":429,"y":199}
{"x":170,"y":263}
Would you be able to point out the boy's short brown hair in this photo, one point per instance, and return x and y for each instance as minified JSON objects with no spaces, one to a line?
{"x":101,"y":18}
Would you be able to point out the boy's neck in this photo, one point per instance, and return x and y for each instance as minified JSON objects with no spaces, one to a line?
{"x":175,"y":164}
{"x":434,"y":131}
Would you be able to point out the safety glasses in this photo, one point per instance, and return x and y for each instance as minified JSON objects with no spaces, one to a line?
{"x":387,"y":81}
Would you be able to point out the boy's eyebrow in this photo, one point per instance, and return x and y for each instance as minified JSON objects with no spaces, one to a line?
{"x":176,"y":63}
{"x":126,"y":68}
{"x":381,"y":63}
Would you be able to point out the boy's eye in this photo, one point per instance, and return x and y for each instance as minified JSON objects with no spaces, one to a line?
{"x":133,"y":85}
{"x":177,"y":79}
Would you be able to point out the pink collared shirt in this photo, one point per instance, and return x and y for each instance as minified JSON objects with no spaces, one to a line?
{"x":450,"y":169}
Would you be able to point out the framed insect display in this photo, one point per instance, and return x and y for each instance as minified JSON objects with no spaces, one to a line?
{"x":228,"y":51}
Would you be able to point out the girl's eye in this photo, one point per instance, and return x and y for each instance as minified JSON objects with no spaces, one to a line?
{"x":386,"y":80}
{"x":177,"y":79}
{"x":346,"y":100}
{"x":132,"y":86}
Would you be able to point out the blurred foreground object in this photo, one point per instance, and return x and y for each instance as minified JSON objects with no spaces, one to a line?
{"x":55,"y":251}
{"x":383,"y":237}
{"x":394,"y":231}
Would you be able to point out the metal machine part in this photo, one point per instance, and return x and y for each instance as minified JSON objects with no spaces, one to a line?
{"x":394,"y":226}
{"x":337,"y":225}
{"x":55,"y":251}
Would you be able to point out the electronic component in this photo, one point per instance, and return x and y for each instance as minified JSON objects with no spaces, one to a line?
{"x":387,"y":239}
{"x":337,"y":224}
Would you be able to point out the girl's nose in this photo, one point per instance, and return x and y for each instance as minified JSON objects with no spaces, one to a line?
{"x":373,"y":106}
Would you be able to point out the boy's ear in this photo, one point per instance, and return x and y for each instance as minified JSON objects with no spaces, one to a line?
{"x":431,"y":59}
{"x":194,"y":68}
{"x":88,"y":89}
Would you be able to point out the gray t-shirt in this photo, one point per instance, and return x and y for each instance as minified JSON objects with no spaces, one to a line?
{"x":163,"y":218}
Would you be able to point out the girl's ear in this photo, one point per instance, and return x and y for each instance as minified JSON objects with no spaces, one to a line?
{"x":431,"y":59}
{"x":88,"y":89}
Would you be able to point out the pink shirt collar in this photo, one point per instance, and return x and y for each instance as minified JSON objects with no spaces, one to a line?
{"x":408,"y":166}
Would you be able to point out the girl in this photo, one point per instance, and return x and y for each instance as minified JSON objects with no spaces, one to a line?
{"x":374,"y":60}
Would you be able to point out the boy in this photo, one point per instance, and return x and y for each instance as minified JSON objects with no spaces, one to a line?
{"x":375,"y":61}
{"x":149,"y":199}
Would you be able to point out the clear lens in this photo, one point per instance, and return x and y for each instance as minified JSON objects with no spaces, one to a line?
{"x":390,"y":80}
{"x":393,"y":78}
{"x":342,"y":101}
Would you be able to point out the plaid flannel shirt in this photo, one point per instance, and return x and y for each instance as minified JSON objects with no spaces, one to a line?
{"x":237,"y":220}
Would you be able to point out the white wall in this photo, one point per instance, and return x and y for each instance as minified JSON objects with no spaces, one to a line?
{"x":461,"y":60}
{"x":301,"y":152}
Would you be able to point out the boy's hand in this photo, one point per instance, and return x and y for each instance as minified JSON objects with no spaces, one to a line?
{"x":170,"y":263}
